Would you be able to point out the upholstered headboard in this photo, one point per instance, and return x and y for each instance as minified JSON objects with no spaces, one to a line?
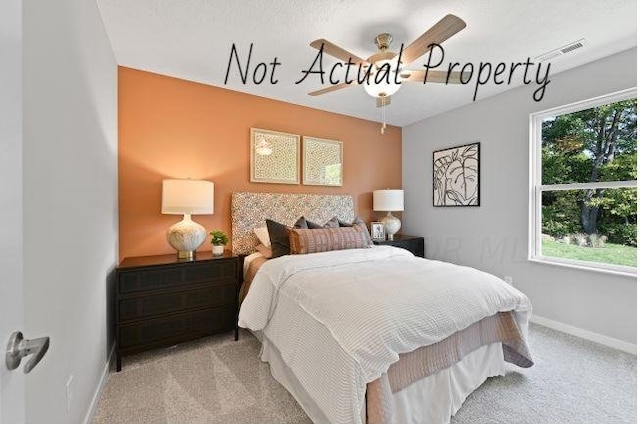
{"x":249,"y":211}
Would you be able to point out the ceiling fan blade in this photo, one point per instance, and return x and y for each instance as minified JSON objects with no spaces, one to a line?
{"x":337,"y":51}
{"x":441,"y":31}
{"x":383,"y":101}
{"x":330,"y":89}
{"x":435,"y":76}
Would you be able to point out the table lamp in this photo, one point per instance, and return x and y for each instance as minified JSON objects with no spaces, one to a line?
{"x":187,"y":197}
{"x":389,"y":201}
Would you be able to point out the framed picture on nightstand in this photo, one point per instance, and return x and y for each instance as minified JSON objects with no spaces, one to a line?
{"x":377,"y":231}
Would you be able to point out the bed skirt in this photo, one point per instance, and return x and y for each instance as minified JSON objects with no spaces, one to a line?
{"x":430,"y":400}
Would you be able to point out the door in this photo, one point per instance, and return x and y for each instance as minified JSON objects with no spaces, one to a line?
{"x":12,"y":383}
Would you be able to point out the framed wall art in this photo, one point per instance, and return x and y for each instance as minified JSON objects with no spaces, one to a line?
{"x":274,"y":157}
{"x":321,"y":162}
{"x":456,"y":176}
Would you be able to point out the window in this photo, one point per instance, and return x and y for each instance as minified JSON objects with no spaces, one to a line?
{"x":583,"y":184}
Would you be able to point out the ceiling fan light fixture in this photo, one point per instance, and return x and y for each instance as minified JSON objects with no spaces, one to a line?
{"x":385,"y":68}
{"x":381,"y":89}
{"x":387,"y":85}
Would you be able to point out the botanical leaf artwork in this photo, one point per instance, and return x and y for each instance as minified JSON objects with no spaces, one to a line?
{"x":456,"y":176}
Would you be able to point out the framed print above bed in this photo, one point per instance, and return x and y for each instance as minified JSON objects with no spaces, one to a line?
{"x":456,"y":176}
{"x":274,"y":157}
{"x":322,"y":162}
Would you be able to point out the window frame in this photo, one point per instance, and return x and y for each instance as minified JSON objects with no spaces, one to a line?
{"x":536,"y":187}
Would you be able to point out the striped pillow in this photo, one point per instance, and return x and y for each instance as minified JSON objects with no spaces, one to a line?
{"x":304,"y":241}
{"x":358,"y":222}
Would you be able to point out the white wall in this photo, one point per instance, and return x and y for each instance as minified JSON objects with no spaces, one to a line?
{"x":70,"y":200}
{"x":494,"y":236}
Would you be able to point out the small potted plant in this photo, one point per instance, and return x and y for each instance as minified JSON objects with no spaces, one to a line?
{"x":218,"y":240}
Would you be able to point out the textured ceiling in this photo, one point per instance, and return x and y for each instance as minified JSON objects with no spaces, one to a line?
{"x":193,"y":39}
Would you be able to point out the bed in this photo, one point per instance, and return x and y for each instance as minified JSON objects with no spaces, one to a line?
{"x":372,"y":334}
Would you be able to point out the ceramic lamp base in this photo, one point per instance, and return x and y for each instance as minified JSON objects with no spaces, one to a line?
{"x":186,"y":236}
{"x":391,"y":225}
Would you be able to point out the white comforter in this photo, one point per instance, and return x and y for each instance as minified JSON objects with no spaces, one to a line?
{"x":341,"y":318}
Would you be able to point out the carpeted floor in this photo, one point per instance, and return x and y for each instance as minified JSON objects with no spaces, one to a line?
{"x":216,"y":380}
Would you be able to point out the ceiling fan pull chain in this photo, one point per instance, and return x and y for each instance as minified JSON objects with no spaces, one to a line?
{"x":384,"y":120}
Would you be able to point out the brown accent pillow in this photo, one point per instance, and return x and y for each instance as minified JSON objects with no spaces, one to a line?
{"x":322,"y":240}
{"x":279,"y":235}
{"x":264,"y":251}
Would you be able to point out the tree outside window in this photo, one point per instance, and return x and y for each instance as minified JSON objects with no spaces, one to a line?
{"x":585,"y":172}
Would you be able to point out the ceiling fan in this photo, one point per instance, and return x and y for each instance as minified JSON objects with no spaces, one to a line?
{"x":382,"y":91}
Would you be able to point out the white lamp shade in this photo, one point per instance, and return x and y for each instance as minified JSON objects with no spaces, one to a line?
{"x":388,"y":200}
{"x":187,"y":197}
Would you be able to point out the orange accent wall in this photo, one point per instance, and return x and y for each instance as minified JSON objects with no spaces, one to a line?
{"x":171,"y":128}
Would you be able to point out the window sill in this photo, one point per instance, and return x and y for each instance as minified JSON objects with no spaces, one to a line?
{"x":586,"y":266}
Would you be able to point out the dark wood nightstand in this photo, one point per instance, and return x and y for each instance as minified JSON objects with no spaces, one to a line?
{"x":413,"y":244}
{"x":162,"y":301}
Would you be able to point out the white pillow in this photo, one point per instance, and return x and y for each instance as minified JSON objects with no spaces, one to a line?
{"x":263,"y":235}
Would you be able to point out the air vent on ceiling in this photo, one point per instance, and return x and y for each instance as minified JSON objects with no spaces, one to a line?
{"x":561,"y":51}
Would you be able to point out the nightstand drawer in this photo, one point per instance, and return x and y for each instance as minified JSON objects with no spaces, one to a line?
{"x":149,"y":306}
{"x":178,"y":326}
{"x":174,"y":277}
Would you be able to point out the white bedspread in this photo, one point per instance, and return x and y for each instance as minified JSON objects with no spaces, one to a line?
{"x":341,"y":318}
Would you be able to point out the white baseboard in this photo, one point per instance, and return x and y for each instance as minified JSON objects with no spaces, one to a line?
{"x":88,"y":419}
{"x":585,"y":334}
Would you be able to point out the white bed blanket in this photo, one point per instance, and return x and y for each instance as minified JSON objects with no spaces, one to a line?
{"x":341,"y":318}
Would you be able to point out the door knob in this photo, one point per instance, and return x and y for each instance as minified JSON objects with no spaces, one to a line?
{"x":18,"y":347}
